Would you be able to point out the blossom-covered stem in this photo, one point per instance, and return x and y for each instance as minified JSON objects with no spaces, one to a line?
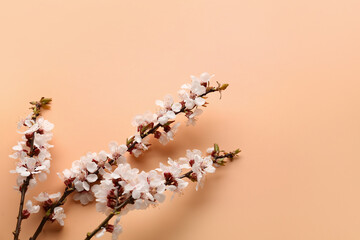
{"x":109,"y":217}
{"x":229,"y":155}
{"x":152,"y":130}
{"x":216,"y":156}
{"x":37,"y":105}
{"x":49,"y":213}
{"x":24,"y":188}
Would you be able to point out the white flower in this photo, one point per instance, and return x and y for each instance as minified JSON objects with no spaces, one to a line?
{"x":210,"y":150}
{"x":204,"y":77}
{"x":45,"y":124}
{"x":59,"y":215}
{"x":192,"y":119}
{"x":171,"y":174}
{"x":83,"y":197}
{"x":199,"y":165}
{"x":156,"y":185}
{"x":91,"y":178}
{"x":197,"y":88}
{"x":176,"y":107}
{"x":32,"y":208}
{"x":117,"y":229}
{"x":44,"y":196}
{"x":141,"y":145}
{"x":81,"y":185}
{"x":101,"y":192}
{"x":30,"y":165}
{"x":169,"y":136}
{"x":144,"y":119}
{"x":199,"y":101}
{"x":86,"y":171}
{"x":168,"y":101}
{"x":117,"y":152}
{"x":91,"y":167}
{"x":165,"y":118}
{"x":136,"y":152}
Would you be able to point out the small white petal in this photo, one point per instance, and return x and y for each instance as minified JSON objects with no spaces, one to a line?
{"x":199,"y":101}
{"x":159,"y":103}
{"x":170,"y":115}
{"x":176,"y":107}
{"x":162,"y":120}
{"x":79,"y":186}
{"x":23,"y":171}
{"x":100,"y":233}
{"x":55,"y":196}
{"x":91,"y":178}
{"x":91,"y":167}
{"x":136,"y":194}
{"x":86,"y":186}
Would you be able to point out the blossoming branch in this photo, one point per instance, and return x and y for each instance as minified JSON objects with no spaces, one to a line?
{"x":33,"y":155}
{"x":126,"y":189}
{"x":93,"y":168}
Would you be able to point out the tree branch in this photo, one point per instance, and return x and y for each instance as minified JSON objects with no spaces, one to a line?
{"x":130,"y":199}
{"x":49,"y":212}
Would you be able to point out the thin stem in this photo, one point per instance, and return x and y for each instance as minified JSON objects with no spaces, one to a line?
{"x":49,"y":212}
{"x":24,"y":188}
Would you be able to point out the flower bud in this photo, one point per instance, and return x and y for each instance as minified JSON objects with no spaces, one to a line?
{"x":109,"y":228}
{"x":25,"y":214}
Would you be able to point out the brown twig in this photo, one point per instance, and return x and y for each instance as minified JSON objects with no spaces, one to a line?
{"x":24,"y":188}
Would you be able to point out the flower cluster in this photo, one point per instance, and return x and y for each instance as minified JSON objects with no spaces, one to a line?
{"x":33,"y":151}
{"x":191,"y":96}
{"x":89,"y":168}
{"x":127,"y":188}
{"x":93,"y":166}
{"x":199,"y":166}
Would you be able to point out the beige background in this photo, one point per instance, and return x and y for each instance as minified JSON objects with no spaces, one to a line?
{"x":292,"y":107}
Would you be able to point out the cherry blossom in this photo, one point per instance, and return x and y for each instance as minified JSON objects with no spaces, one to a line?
{"x":30,"y":208}
{"x":33,"y":151}
{"x":199,"y":166}
{"x":89,"y":168}
{"x":44,"y":196}
{"x":191,"y":97}
{"x":59,"y":215}
{"x":115,"y":229}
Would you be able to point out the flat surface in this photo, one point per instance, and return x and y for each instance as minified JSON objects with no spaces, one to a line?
{"x":292,"y":107}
